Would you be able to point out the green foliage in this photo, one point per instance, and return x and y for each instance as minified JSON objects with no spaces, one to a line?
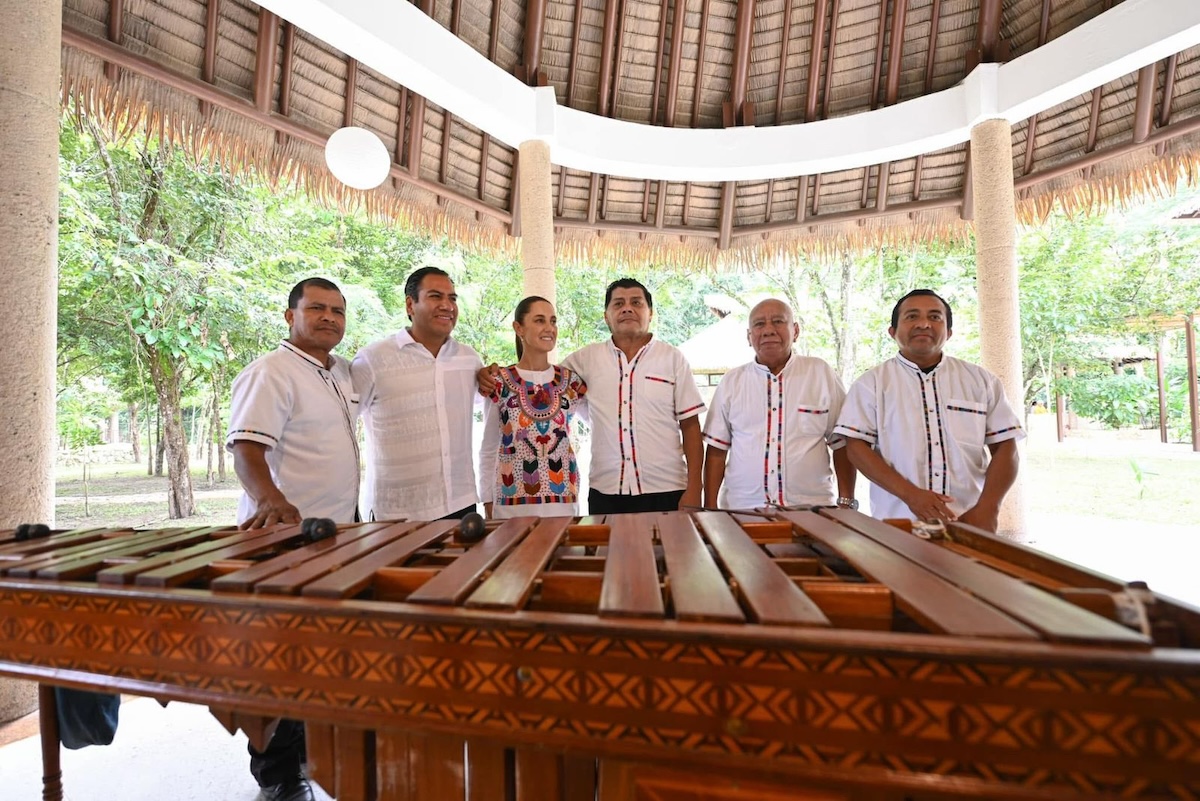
{"x":1116,"y":401}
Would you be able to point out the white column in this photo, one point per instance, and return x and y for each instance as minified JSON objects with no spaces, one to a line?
{"x":30,"y":42}
{"x":537,"y":218}
{"x":996,"y":265}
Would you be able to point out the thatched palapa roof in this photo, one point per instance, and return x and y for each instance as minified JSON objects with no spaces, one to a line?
{"x":233,"y":81}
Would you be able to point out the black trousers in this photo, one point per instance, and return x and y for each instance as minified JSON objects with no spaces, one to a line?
{"x":283,"y":757}
{"x":601,"y":504}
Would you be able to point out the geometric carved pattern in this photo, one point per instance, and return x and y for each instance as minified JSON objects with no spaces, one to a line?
{"x":1063,"y":721}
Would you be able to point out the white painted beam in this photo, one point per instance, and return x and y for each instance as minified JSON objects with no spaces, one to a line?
{"x":397,"y":40}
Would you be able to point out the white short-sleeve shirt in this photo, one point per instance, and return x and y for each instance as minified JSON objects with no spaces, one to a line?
{"x":305,"y":414}
{"x":778,"y":430}
{"x":636,"y":406}
{"x":933,"y":428}
{"x":418,"y":412}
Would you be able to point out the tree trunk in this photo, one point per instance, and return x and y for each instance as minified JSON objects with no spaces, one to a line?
{"x":181,"y":501}
{"x":160,"y":451}
{"x":211,"y":439}
{"x":845,"y":351}
{"x":114,"y":428}
{"x":135,"y":436}
{"x":151,"y":451}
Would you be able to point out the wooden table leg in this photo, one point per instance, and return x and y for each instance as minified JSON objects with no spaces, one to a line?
{"x":52,"y":789}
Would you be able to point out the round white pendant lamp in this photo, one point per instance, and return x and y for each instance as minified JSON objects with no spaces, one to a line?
{"x":357,"y":158}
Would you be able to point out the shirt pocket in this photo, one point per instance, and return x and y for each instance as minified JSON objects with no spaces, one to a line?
{"x":657,"y":390}
{"x":812,"y":420}
{"x":967,"y":421}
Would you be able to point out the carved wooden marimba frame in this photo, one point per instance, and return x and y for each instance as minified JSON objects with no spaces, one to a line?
{"x":803,"y":655}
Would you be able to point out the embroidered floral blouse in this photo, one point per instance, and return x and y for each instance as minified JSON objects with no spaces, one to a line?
{"x":527,"y":443}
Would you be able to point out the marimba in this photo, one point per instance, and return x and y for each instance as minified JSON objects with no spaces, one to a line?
{"x":812,"y":654}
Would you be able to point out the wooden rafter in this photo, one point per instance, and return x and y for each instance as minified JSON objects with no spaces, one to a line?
{"x":655,"y":94}
{"x":829,"y":59}
{"x":780,"y":83}
{"x":202,"y":90}
{"x":1168,"y":96}
{"x":264,"y":59}
{"x":351,"y":92}
{"x":285,"y":79}
{"x":116,"y":24}
{"x":931,"y":51}
{"x":877,"y":71}
{"x":447,"y":117}
{"x":816,"y":47}
{"x":989,"y":47}
{"x":400,"y":156}
{"x":608,"y":47}
{"x":891,"y":91}
{"x":735,"y":111}
{"x":1031,"y":129}
{"x":485,"y":151}
{"x":700,"y":63}
{"x":208,"y":69}
{"x":531,"y":51}
{"x":562,"y":175}
{"x":1143,"y":109}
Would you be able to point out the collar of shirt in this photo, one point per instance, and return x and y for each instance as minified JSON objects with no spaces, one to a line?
{"x":285,"y":345}
{"x":612,"y":346}
{"x":918,"y":368}
{"x":762,"y":368}
{"x":405,"y":339}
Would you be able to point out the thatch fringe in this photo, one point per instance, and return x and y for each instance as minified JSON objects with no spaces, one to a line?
{"x":242,"y":148}
{"x":1116,"y":184}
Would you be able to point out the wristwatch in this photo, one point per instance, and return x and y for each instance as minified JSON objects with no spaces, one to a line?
{"x":848,"y":503}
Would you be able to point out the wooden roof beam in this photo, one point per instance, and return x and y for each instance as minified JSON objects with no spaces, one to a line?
{"x":738,"y":111}
{"x":989,"y":47}
{"x":608,"y":47}
{"x":931,"y":51}
{"x":562,"y":179}
{"x":485,"y":151}
{"x":1164,"y":113}
{"x":285,"y":83}
{"x":351,"y":92}
{"x":816,"y":46}
{"x":833,"y":29}
{"x":530,"y":69}
{"x":116,"y":24}
{"x":878,"y":69}
{"x":447,"y":117}
{"x":1031,"y":129}
{"x":1143,"y":108}
{"x":264,"y":59}
{"x":699,"y":73}
{"x":201,"y":90}
{"x":655,"y":95}
{"x":208,"y":69}
{"x":891,"y":93}
{"x":400,"y":156}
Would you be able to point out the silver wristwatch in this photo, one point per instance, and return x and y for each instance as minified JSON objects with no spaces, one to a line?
{"x":848,"y":503}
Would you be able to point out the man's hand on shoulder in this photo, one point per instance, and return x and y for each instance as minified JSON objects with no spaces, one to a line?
{"x":486,"y":378}
{"x":272,"y":510}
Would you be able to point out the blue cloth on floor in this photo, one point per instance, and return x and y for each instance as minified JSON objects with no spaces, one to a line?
{"x":86,"y":718}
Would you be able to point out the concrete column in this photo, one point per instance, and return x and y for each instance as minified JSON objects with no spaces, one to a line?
{"x":537,"y":218}
{"x":996,"y":264}
{"x":30,"y":41}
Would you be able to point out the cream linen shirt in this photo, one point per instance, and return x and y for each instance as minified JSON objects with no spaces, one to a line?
{"x":418,"y":412}
{"x":933,"y":428}
{"x":778,"y":430}
{"x":635,"y":407}
{"x":305,"y":414}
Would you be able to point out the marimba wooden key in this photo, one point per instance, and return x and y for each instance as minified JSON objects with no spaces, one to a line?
{"x":808,"y":654}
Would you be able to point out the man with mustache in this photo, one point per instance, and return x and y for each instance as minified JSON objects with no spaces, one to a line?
{"x":295,"y":450}
{"x":934,"y":434}
{"x":417,"y":391}
{"x":647,"y":453}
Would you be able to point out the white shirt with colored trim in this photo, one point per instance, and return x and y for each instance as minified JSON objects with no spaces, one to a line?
{"x":305,"y":414}
{"x":417,"y":411}
{"x":636,"y":406}
{"x":933,"y":428}
{"x":778,"y":430}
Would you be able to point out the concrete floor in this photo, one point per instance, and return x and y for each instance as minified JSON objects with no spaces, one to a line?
{"x":180,"y":753}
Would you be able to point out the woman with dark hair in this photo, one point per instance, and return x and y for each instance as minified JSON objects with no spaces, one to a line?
{"x":526,"y":463}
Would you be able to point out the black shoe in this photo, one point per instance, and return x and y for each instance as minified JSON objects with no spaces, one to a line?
{"x":297,"y":789}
